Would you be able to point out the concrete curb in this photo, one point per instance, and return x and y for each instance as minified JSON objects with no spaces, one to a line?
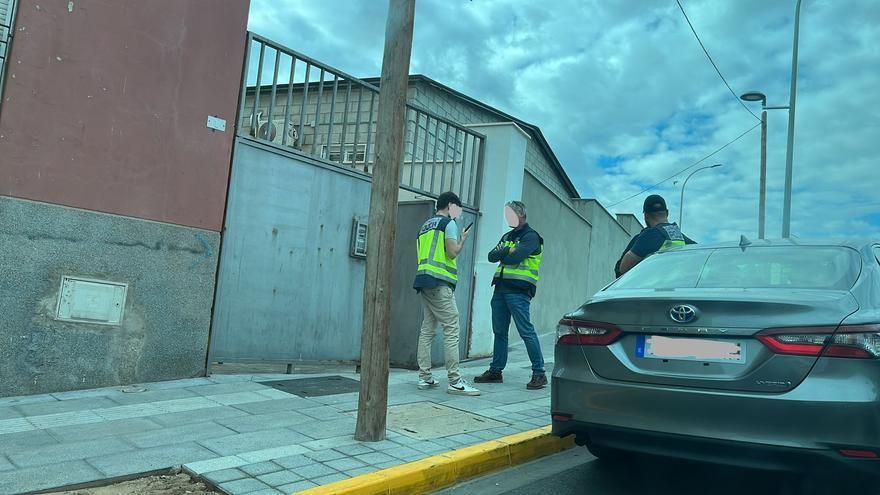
{"x":440,"y":471}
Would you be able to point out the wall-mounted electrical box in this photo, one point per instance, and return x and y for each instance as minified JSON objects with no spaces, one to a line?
{"x":91,"y":301}
{"x":358,"y":239}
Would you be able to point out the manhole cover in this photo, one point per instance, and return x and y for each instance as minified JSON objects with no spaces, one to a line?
{"x":429,"y":420}
{"x":316,"y":387}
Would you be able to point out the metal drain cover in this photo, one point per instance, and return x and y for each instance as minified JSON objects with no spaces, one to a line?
{"x":316,"y":387}
{"x":429,"y":420}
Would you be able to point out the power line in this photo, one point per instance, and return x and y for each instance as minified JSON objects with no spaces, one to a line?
{"x":701,"y":160}
{"x":713,"y":62}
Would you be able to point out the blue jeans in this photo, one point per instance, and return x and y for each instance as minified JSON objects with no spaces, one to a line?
{"x":505,"y":305}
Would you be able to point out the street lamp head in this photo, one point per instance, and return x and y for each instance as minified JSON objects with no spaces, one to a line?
{"x":681,"y":203}
{"x":754,"y":96}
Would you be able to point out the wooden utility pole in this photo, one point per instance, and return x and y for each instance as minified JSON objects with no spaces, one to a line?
{"x":390,"y":129}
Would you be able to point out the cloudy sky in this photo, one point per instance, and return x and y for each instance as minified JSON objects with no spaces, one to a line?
{"x":627,"y":98}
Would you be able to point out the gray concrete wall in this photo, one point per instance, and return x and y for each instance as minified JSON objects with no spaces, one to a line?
{"x":449,"y":106}
{"x":170,"y":274}
{"x":539,"y":165}
{"x":630,"y":222}
{"x":564,"y":283}
{"x":505,"y":164}
{"x":608,"y":238}
{"x":457,"y":110}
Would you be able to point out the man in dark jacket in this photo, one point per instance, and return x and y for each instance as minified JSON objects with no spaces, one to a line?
{"x":519,"y":258}
{"x":659,"y":236}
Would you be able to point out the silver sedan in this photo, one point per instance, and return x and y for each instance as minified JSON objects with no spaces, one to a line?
{"x":758,"y":354}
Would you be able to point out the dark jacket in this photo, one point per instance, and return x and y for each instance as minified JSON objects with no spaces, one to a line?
{"x":529,"y":243}
{"x":626,"y":250}
{"x":651,"y":239}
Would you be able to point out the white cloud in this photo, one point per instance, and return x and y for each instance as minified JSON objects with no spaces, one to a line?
{"x":625,"y":84}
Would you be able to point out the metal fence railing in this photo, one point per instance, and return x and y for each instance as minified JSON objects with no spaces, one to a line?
{"x":292,"y":101}
{"x":7,"y":14}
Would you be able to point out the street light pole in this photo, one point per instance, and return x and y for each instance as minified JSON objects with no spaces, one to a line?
{"x":681,"y":202}
{"x":762,"y":189}
{"x":789,"y":148}
{"x":762,"y":195}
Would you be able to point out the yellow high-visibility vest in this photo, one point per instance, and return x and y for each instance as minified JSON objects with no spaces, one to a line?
{"x":431,"y":245}
{"x":527,"y":270}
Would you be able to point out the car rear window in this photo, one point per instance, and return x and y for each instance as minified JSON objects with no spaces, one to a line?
{"x":787,"y":267}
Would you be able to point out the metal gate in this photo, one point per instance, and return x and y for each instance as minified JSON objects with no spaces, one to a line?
{"x":289,"y":289}
{"x":406,"y":319}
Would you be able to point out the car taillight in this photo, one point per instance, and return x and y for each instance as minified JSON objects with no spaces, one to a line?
{"x":859,"y":454}
{"x":853,"y":341}
{"x":583,"y":332}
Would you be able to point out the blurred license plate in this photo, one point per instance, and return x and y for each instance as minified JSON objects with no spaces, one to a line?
{"x":688,"y":349}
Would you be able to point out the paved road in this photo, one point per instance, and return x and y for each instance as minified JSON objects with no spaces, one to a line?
{"x":577,"y":472}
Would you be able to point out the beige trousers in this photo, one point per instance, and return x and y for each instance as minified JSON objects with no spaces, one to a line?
{"x":440,"y":309}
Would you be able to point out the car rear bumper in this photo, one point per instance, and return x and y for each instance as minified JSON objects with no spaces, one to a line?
{"x":814,"y":421}
{"x":726,"y":452}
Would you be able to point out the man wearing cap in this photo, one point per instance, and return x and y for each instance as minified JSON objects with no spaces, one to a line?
{"x":439,"y":243}
{"x":660,"y":235}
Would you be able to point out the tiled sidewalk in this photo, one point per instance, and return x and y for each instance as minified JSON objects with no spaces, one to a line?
{"x":245,"y":437}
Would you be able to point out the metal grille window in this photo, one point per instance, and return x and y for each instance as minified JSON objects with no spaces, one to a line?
{"x":291,"y":101}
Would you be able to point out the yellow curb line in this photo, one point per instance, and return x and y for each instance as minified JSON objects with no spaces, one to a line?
{"x":439,"y":471}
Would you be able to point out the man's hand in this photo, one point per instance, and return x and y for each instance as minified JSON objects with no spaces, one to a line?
{"x":465,"y":234}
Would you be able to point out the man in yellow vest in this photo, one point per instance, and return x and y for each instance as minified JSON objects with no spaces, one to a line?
{"x":660,"y":235}
{"x":439,"y":243}
{"x":519,"y":257}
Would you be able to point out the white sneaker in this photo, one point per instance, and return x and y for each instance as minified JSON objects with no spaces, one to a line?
{"x":426,"y":384}
{"x":462,"y":388}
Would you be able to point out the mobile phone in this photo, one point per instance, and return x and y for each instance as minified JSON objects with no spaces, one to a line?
{"x":469,"y":227}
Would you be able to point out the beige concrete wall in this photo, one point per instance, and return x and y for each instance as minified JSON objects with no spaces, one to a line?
{"x":564,"y":283}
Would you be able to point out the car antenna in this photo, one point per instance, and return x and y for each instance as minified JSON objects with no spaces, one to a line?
{"x":744,"y":242}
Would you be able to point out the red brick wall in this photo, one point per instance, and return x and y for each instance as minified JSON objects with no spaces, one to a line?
{"x":105,"y":106}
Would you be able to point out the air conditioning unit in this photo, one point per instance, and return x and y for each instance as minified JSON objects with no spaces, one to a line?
{"x":269,"y":130}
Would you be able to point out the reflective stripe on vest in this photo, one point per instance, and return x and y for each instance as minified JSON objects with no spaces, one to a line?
{"x":433,"y":261}
{"x":667,"y":244}
{"x":527,"y":270}
{"x":674,"y":237}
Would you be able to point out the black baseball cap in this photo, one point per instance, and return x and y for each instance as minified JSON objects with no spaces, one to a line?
{"x":654,"y":203}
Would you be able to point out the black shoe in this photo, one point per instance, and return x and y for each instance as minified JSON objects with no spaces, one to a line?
{"x":489,"y":377}
{"x":537,"y":382}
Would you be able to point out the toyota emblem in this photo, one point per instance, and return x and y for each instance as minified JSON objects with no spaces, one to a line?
{"x":683,"y":313}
